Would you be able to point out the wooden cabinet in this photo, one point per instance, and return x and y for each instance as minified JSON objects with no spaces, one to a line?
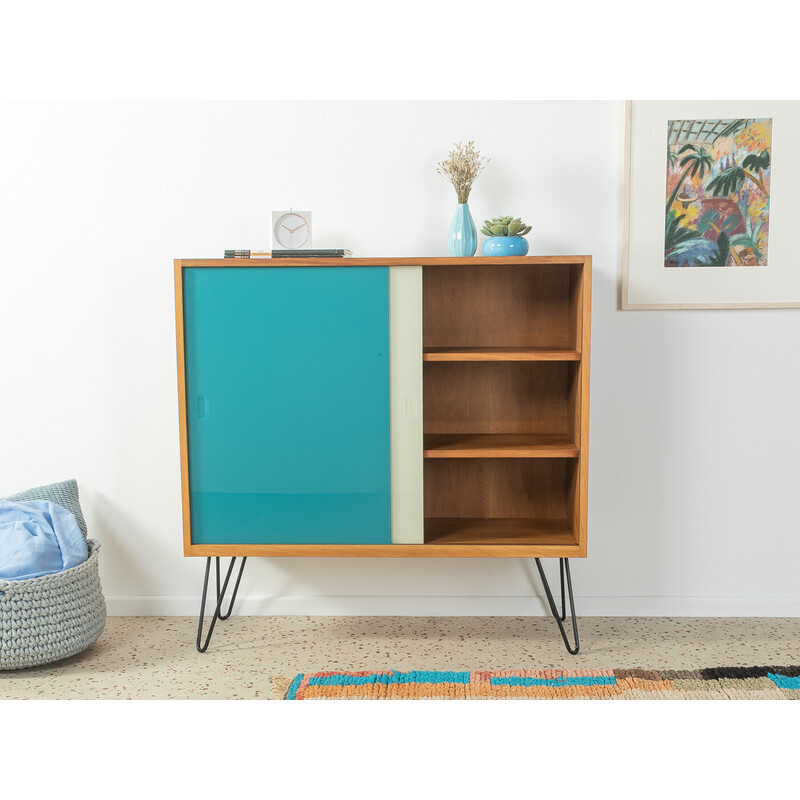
{"x":384,"y":407}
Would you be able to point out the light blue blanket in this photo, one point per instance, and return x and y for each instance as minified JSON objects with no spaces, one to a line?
{"x":38,"y":538}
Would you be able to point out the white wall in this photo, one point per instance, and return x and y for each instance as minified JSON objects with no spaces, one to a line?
{"x":693,"y":498}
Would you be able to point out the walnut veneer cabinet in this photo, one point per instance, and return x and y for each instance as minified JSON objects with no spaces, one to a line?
{"x":384,"y":407}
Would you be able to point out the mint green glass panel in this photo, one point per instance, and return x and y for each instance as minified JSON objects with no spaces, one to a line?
{"x":287,"y":395}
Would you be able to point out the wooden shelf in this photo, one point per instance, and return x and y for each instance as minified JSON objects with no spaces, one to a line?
{"x":498,"y":445}
{"x":499,"y":354}
{"x":505,"y":407}
{"x":475,"y":531}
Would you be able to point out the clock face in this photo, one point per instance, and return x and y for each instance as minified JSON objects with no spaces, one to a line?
{"x":292,"y":230}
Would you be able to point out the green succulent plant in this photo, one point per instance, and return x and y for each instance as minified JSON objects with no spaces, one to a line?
{"x":505,"y":226}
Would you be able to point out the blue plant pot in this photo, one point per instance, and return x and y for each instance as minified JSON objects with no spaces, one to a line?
{"x":505,"y":246}
{"x":463,"y":234}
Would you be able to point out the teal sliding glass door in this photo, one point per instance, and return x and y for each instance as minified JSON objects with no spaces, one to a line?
{"x":287,"y":404}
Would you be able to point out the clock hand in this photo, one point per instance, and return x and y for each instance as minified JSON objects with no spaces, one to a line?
{"x":288,"y":229}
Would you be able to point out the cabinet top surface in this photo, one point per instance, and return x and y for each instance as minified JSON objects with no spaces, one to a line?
{"x":383,"y":262}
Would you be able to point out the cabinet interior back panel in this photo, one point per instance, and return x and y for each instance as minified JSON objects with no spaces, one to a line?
{"x":499,"y":487}
{"x":498,"y":397}
{"x":498,"y":306}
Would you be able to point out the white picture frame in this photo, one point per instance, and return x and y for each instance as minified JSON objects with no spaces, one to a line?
{"x":645,"y":282}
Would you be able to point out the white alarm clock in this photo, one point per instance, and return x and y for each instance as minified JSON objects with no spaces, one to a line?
{"x":291,"y":230}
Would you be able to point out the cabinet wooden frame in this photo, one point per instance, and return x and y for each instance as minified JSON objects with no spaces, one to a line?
{"x":514,"y":313}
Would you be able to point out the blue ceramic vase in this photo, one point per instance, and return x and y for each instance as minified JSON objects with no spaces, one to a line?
{"x":463,"y":234}
{"x":505,"y":246}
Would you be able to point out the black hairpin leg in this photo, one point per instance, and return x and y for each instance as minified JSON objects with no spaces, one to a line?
{"x":220,"y":596}
{"x":560,"y":618}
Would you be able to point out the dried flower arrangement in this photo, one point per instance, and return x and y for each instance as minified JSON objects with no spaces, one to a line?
{"x":463,"y":165}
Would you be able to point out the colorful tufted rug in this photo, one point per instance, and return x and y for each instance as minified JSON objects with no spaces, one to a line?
{"x":719,"y":683}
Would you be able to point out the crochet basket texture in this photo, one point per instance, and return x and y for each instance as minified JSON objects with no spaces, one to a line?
{"x":54,"y":616}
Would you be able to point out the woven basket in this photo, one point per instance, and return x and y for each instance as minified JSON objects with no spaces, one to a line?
{"x":54,"y":616}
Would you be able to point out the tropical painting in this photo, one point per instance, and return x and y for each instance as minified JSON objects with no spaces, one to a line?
{"x":718,"y":181}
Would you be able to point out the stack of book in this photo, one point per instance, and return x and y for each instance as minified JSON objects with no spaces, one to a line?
{"x":247,"y":254}
{"x":287,"y":253}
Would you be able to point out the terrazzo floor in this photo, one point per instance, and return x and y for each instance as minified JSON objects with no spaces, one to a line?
{"x":255,"y":658}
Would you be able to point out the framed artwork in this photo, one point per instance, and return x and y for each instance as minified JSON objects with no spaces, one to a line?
{"x":711,"y":203}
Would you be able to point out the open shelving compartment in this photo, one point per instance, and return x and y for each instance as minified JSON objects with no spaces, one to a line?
{"x":503,"y":404}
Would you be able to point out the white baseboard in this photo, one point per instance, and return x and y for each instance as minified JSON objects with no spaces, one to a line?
{"x":371,"y":606}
